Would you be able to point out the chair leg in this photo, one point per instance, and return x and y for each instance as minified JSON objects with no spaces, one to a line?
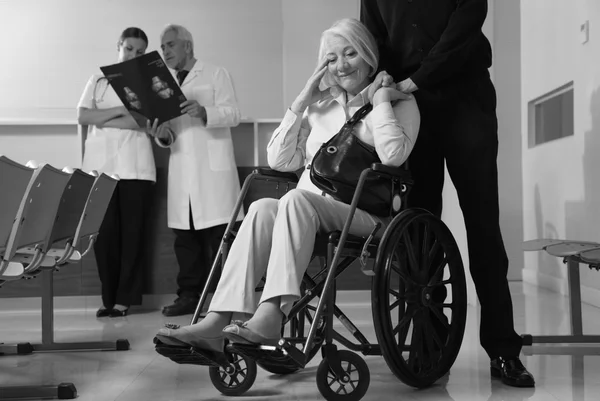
{"x":48,"y":344}
{"x":63,"y":391}
{"x":576,"y":336}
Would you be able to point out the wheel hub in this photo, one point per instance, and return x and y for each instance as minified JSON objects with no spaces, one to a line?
{"x":426,"y":297}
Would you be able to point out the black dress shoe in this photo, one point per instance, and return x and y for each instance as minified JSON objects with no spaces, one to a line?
{"x":512,"y":372}
{"x":103,"y":312}
{"x":181,"y":306}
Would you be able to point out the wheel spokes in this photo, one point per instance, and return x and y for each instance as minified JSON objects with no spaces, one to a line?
{"x":441,"y":317}
{"x":421,"y":268}
{"x":333,"y":379}
{"x":439,"y":270}
{"x":396,"y":268}
{"x":413,"y":264}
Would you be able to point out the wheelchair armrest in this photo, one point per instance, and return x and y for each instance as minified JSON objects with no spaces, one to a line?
{"x":286,"y":177}
{"x":393,"y":172}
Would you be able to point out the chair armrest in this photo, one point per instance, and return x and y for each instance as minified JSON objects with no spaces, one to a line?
{"x":393,"y":172}
{"x":286,"y":177}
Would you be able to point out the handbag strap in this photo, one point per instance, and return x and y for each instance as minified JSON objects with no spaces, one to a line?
{"x":360,"y":114}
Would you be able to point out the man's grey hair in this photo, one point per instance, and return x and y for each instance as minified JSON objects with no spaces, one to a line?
{"x":180,"y":32}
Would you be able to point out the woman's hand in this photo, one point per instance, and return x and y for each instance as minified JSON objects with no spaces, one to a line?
{"x":100,"y":117}
{"x":389,"y":94}
{"x":383,"y":79}
{"x":384,"y":85}
{"x":161,"y":131}
{"x":122,"y":111}
{"x":311,"y":93}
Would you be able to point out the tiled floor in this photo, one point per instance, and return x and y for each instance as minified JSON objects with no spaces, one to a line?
{"x":142,"y":374}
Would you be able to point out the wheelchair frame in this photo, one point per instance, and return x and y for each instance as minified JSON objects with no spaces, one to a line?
{"x":342,"y":250}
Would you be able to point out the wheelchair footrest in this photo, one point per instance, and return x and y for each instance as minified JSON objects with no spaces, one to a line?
{"x":266,"y":355}
{"x":190,"y":355}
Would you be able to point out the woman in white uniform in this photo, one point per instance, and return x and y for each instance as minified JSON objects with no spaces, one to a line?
{"x":116,"y":145}
{"x":278,"y":235}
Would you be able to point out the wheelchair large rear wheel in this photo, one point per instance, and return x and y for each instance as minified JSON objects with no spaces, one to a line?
{"x":419,"y":298}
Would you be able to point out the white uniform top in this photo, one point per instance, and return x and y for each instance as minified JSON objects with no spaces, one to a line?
{"x":202,"y":169}
{"x":392,"y":130}
{"x":127,"y":153}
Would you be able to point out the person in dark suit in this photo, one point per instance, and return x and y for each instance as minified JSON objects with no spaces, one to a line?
{"x":436,"y":50}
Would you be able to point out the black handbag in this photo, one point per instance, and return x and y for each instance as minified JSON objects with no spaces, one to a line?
{"x":337,"y":165}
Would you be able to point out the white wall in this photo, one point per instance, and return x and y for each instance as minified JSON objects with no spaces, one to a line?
{"x":507,"y":79}
{"x":53,"y":46}
{"x":53,"y":144}
{"x":300,"y":45}
{"x":561,"y":191}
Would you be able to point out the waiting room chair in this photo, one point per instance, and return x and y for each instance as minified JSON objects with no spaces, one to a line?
{"x":14,"y":181}
{"x":77,"y":216}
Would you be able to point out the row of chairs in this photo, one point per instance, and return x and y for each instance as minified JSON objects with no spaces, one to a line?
{"x":45,"y":215}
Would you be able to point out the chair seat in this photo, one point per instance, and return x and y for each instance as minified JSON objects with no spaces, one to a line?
{"x":13,"y":271}
{"x":23,"y":257}
{"x":55,"y":253}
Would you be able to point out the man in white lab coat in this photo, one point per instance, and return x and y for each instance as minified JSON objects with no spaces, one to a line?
{"x":203,"y":180}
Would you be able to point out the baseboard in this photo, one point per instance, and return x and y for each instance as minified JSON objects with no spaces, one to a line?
{"x":589,"y":295}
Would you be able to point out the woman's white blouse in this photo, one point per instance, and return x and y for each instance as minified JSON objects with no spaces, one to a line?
{"x":127,"y":153}
{"x":392,"y":130}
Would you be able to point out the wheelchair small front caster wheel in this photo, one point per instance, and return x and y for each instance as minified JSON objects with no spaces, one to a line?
{"x":235,"y":379}
{"x":352,"y":386}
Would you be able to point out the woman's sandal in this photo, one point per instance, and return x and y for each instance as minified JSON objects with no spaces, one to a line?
{"x":182,"y":337}
{"x":239,"y":333}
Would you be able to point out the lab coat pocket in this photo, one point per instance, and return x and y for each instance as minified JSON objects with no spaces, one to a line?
{"x":204,"y":94}
{"x":220,"y":154}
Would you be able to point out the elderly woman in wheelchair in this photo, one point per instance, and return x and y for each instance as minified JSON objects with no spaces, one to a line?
{"x":277,"y":238}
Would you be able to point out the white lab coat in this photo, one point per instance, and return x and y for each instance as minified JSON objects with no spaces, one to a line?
{"x":124,"y":152}
{"x":202,"y":169}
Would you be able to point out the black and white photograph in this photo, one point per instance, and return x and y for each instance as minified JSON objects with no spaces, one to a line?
{"x":300,"y":200}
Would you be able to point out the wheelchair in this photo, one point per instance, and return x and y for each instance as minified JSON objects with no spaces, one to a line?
{"x":418,"y":297}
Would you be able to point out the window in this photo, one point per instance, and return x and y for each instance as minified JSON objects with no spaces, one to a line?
{"x":551,"y":116}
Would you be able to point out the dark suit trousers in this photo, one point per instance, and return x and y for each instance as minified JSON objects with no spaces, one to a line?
{"x":195,"y":251}
{"x":459,"y":125}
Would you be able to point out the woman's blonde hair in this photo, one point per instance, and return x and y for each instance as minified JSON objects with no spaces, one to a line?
{"x":359,"y":38}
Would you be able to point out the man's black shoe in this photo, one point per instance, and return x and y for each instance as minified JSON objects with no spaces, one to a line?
{"x":512,"y":372}
{"x":181,"y":306}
